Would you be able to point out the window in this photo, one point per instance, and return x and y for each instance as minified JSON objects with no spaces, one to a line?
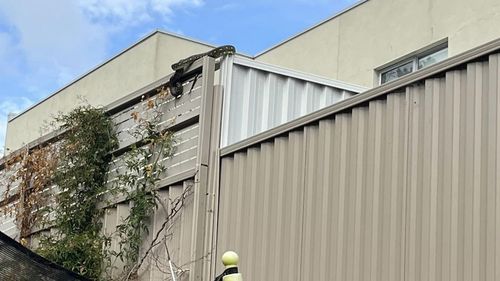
{"x":413,"y":63}
{"x":432,"y":58}
{"x":396,"y":72}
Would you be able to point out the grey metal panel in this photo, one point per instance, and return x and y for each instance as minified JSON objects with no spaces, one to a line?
{"x":319,"y":197}
{"x":260,"y":208}
{"x":201,"y":212}
{"x":401,"y":187}
{"x":257,"y":99}
{"x":453,"y":229}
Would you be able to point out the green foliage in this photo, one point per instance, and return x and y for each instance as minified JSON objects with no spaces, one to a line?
{"x":145,"y":166}
{"x":79,"y":165}
{"x":81,"y":175}
{"x":80,"y":252}
{"x":81,"y":179}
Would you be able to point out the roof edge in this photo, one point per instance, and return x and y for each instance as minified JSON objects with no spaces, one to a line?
{"x":187,"y":38}
{"x":200,"y":42}
{"x":345,"y":10}
{"x":141,"y":40}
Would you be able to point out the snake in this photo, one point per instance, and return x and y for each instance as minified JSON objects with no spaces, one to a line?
{"x":180,"y":67}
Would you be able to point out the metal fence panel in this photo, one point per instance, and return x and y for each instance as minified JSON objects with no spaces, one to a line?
{"x":258,"y":97}
{"x":323,"y":193}
{"x":261,"y":208}
{"x":402,"y":186}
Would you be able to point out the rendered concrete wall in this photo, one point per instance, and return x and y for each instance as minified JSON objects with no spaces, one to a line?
{"x":135,"y":68}
{"x":350,"y":46}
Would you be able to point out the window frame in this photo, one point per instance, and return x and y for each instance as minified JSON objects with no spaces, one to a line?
{"x":394,"y":66}
{"x":431,"y":52}
{"x":413,"y":57}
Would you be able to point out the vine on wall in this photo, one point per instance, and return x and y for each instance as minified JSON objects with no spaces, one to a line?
{"x":33,"y":173}
{"x":145,"y":166}
{"x":34,"y":194}
{"x":81,"y":177}
{"x":78,"y":166}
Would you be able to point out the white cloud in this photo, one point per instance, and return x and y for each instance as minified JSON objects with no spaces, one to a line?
{"x":54,"y":32}
{"x":165,"y":7}
{"x":321,"y":2}
{"x":63,"y":38}
{"x":122,"y":13}
{"x":117,"y":12}
{"x":14,"y":105}
{"x":58,"y":39}
{"x":228,"y":6}
{"x":43,"y":45}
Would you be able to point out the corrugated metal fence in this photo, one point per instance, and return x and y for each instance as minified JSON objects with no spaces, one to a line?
{"x":398,"y":183}
{"x":258,"y":97}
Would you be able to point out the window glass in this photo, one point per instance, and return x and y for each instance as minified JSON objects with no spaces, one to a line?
{"x":432,"y":58}
{"x":396,"y":72}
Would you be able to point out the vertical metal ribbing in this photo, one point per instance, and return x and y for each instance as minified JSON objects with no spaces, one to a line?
{"x":198,"y":255}
{"x":214,"y":184}
{"x":494,"y":169}
{"x":260,"y":98}
{"x":398,"y":188}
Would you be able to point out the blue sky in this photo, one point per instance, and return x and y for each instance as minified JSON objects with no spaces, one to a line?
{"x":46,"y":44}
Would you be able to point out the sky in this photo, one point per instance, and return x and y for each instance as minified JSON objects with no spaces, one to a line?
{"x":46,"y":44}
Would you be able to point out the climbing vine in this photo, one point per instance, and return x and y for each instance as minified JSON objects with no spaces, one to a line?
{"x":33,"y":187}
{"x":80,"y":178}
{"x":71,"y":176}
{"x":145,"y":166}
{"x":33,"y":172}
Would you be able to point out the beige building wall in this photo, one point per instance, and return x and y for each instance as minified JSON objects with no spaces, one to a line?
{"x":350,"y":46}
{"x":141,"y":64}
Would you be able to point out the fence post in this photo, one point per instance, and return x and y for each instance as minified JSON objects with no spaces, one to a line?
{"x":230,"y":260}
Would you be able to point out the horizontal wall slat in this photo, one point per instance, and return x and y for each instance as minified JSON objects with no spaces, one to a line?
{"x":184,"y":110}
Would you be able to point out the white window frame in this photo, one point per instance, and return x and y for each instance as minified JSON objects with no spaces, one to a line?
{"x":413,"y":57}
